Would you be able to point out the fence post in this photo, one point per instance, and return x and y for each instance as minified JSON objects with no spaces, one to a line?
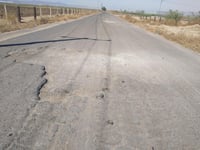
{"x":6,"y":13}
{"x":40,"y":11}
{"x":34,"y":13}
{"x":63,"y":11}
{"x":50,"y":12}
{"x":18,"y":14}
{"x":67,"y":11}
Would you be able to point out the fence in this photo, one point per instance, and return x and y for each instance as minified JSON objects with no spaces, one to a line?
{"x":20,"y":11}
{"x":151,"y":17}
{"x":145,"y":16}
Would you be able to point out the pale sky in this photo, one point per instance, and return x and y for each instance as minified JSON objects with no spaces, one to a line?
{"x":149,"y":5}
{"x":133,"y":5}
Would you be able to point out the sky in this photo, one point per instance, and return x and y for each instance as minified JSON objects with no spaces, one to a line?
{"x":134,"y":5}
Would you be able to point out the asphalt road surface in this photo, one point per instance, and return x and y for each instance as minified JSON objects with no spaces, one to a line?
{"x":98,"y":83}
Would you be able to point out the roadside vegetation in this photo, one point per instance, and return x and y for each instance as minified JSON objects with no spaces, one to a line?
{"x":103,"y":8}
{"x":174,"y":26}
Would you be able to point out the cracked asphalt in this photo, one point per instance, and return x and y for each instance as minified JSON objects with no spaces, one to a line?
{"x":98,"y":83}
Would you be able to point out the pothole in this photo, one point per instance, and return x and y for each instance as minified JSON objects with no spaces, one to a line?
{"x":110,"y":122}
{"x":101,"y":95}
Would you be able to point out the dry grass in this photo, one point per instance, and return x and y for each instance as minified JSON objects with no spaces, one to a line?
{"x":185,"y":34}
{"x":189,"y":41}
{"x":11,"y":23}
{"x":130,"y":18}
{"x":44,"y":20}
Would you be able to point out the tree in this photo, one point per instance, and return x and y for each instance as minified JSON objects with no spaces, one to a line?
{"x":199,"y":14}
{"x":103,"y":8}
{"x":175,"y":15}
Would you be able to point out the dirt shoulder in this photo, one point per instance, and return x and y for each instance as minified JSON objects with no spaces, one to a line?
{"x":187,"y":35}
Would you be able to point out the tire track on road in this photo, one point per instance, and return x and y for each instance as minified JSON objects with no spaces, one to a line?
{"x":102,"y":112}
{"x":69,"y":86}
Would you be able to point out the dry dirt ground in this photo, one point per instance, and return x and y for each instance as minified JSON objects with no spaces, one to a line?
{"x":188,"y":36}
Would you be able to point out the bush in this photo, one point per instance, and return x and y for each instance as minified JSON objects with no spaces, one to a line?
{"x":103,"y":8}
{"x":174,"y":15}
{"x":130,"y":19}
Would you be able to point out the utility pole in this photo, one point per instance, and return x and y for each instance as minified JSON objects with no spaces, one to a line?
{"x":101,"y":5}
{"x":161,"y":1}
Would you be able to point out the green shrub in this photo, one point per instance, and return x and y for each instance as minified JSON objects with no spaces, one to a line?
{"x":174,"y":15}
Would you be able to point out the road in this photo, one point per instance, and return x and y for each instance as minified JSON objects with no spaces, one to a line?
{"x":98,"y":83}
